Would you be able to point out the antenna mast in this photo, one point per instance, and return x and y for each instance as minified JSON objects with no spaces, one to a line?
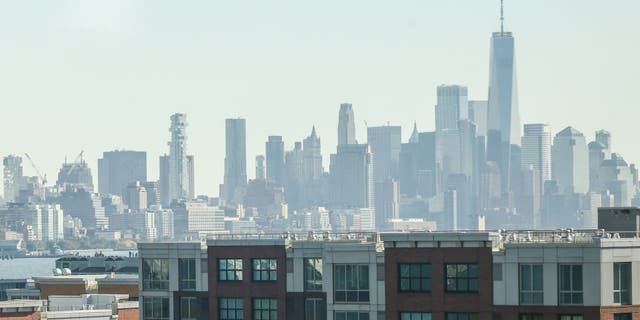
{"x":501,"y":17}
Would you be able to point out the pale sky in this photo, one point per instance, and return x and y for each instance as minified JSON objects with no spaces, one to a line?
{"x":103,"y":75}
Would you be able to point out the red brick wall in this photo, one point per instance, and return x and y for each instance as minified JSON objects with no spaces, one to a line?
{"x":606,"y":313}
{"x":438,"y":301}
{"x":128,"y":314}
{"x":20,"y":316}
{"x":247,"y":289}
{"x":60,"y":289}
{"x":131,"y":290}
{"x":548,"y":312}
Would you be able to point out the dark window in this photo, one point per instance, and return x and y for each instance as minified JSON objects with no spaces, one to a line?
{"x":155,"y":274}
{"x":570,"y":317}
{"x":230,"y":309}
{"x":531,"y":284}
{"x":622,"y":316}
{"x":461,"y":277}
{"x":155,"y":308}
{"x":621,"y":282}
{"x":187,"y":274}
{"x":570,"y":283}
{"x":531,"y":316}
{"x":351,"y":283}
{"x":415,"y":277}
{"x":265,"y":309}
{"x":265,"y":269}
{"x":313,"y":309}
{"x":189,"y":308}
{"x":497,"y":272}
{"x":230,"y":269}
{"x":313,"y":274}
{"x":415,"y":316}
{"x":461,"y":316}
{"x":351,"y":315}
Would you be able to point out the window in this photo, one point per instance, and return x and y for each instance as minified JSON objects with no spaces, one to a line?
{"x":531,"y":316}
{"x":570,"y":283}
{"x":187,"y":271}
{"x":189,"y":308}
{"x":461,"y":316}
{"x":314,"y":309}
{"x":155,"y":274}
{"x":230,"y":269}
{"x":265,"y":309}
{"x":415,"y":316}
{"x":351,"y":283}
{"x":531,"y":291}
{"x":570,"y":317}
{"x":350,"y":315}
{"x":497,"y":272}
{"x":313,"y":274}
{"x":415,"y":277}
{"x":621,"y":282}
{"x":265,"y":269}
{"x":155,"y":308}
{"x":622,"y":316}
{"x":461,"y":277}
{"x":230,"y":309}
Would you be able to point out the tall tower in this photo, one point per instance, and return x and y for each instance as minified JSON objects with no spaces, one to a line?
{"x":385,"y":142}
{"x":453,"y":105}
{"x":260,"y":171}
{"x":274,"y":149}
{"x":118,"y":168}
{"x":12,"y":177}
{"x":536,"y":149}
{"x":604,"y":137}
{"x":312,"y":154}
{"x":503,"y":118}
{"x":235,"y":161}
{"x":570,"y":161}
{"x":179,"y":184}
{"x":346,"y":125}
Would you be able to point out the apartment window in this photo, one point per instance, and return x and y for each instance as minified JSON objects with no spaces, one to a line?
{"x":531,"y":289}
{"x":570,"y":283}
{"x":187,"y":271}
{"x":155,"y":274}
{"x":621,"y":282}
{"x":265,"y":309}
{"x":155,"y":308}
{"x":230,"y":269}
{"x":570,"y":317}
{"x":265,"y":269}
{"x":230,"y":309}
{"x":415,"y":316}
{"x":415,"y":277}
{"x":313,"y":274}
{"x":531,"y":316}
{"x":461,"y":316}
{"x":497,"y":272}
{"x":351,"y":283}
{"x":314,"y":309}
{"x":350,"y":315}
{"x":461,"y":277}
{"x":189,"y":308}
{"x":622,"y":316}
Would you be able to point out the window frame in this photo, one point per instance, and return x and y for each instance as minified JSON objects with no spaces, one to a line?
{"x":617,"y":272}
{"x":576,"y":316}
{"x":192,"y":302}
{"x":414,"y":315}
{"x":153,"y":272}
{"x":318,"y":308}
{"x":271,"y":273}
{"x":311,"y":282}
{"x":572,"y":292}
{"x":187,"y":283}
{"x":346,"y":315}
{"x":420,"y":277}
{"x":256,"y":306}
{"x":362,"y":286}
{"x":461,"y":316}
{"x":235,"y":308}
{"x":532,"y":293}
{"x":467,"y":279}
{"x":237,"y":272}
{"x":150,"y":303}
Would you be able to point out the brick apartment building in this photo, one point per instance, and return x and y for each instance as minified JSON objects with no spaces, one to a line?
{"x":511,"y":275}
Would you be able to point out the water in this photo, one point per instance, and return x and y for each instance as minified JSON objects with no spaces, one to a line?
{"x":21,"y":268}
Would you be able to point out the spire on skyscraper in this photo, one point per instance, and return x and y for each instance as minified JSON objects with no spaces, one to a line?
{"x":501,"y":16}
{"x":415,"y":134}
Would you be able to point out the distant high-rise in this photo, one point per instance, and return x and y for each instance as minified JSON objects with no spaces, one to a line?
{"x":478,"y":114}
{"x":294,"y":175}
{"x":163,"y":182}
{"x":135,"y":196}
{"x":604,"y":137}
{"x":12,"y":178}
{"x":274,"y":149}
{"x":312,"y":154}
{"x":418,"y":166}
{"x":453,"y":105}
{"x":503,"y":118}
{"x":570,"y":161}
{"x":346,"y":125}
{"x":385,"y":142}
{"x":179,"y":184}
{"x":260,"y":169}
{"x":191,"y":168}
{"x":75,"y":175}
{"x":387,"y":202}
{"x":118,"y":168}
{"x":235,"y":162}
{"x":352,"y":182}
{"x":536,"y":150}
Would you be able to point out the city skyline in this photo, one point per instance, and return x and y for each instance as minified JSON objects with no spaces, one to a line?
{"x":206,"y":131}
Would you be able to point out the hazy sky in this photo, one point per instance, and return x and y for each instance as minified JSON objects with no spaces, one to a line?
{"x":103,"y":75}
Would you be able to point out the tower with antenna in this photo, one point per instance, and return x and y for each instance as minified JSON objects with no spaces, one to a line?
{"x":502,"y":17}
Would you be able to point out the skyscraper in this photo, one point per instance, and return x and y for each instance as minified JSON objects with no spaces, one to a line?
{"x":570,"y":161}
{"x":453,"y":105}
{"x":387,"y":202}
{"x":503,"y":118}
{"x":12,"y":177}
{"x":179,"y":184}
{"x":352,"y":182}
{"x":478,"y":114}
{"x":118,"y":168}
{"x":274,"y":149}
{"x":604,"y":137}
{"x":75,"y":175}
{"x":235,"y":162}
{"x":163,"y":182}
{"x":346,"y":125}
{"x":260,"y":170}
{"x":312,"y":154}
{"x":385,"y":142}
{"x":536,"y":150}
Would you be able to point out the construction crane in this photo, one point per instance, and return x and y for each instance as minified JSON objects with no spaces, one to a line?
{"x":76,"y":162}
{"x":43,"y":178}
